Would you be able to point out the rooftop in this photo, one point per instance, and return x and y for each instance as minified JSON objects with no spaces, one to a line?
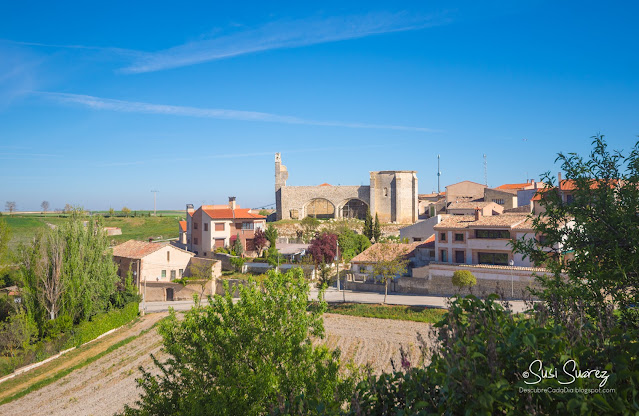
{"x":134,"y":249}
{"x":386,"y":251}
{"x":510,"y":220}
{"x":469,"y":204}
{"x":228,"y":213}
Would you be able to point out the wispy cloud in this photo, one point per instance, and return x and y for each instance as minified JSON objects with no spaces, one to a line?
{"x":98,"y":103}
{"x":173,"y":159}
{"x":282,"y":34}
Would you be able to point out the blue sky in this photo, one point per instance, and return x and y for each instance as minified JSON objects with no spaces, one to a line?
{"x":102,"y":102}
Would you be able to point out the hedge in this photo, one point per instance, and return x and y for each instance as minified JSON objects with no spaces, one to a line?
{"x":101,"y":323}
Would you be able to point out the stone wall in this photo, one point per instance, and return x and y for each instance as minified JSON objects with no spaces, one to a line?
{"x":295,"y":198}
{"x":157,"y":291}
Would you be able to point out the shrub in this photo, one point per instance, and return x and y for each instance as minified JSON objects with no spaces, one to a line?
{"x":101,"y":323}
{"x":464,"y":278}
{"x":237,"y":263}
{"x":245,"y":357}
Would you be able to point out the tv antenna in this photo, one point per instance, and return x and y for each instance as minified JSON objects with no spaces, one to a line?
{"x":439,"y":174}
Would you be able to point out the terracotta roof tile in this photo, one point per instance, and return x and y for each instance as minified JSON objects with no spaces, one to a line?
{"x":468,"y":221}
{"x":227,"y":213}
{"x":182,"y":225}
{"x":134,"y":249}
{"x":469,"y":204}
{"x":326,"y":184}
{"x":513,"y":186}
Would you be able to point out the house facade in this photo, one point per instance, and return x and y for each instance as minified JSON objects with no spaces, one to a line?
{"x":480,"y":240}
{"x":214,"y":226}
{"x":158,"y":265}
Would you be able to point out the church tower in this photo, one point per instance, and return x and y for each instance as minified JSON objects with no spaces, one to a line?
{"x":281,"y":175}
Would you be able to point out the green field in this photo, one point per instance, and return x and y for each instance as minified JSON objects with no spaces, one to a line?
{"x":24,"y":227}
{"x":397,"y":312}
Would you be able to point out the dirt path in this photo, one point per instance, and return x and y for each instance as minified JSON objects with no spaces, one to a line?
{"x":106,"y":385}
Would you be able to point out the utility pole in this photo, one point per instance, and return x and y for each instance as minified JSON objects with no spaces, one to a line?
{"x":154,"y":200}
{"x":439,"y":174}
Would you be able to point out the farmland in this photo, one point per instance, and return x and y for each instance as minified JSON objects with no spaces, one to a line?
{"x":25,"y":226}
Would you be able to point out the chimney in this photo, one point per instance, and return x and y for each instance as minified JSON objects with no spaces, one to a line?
{"x":477,"y":213}
{"x":559,"y":179}
{"x":232,"y":202}
{"x":189,"y":208}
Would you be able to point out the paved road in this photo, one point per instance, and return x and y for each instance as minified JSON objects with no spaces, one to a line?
{"x":333,"y":295}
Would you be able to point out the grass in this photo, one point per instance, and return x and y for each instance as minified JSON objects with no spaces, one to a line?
{"x":24,"y":227}
{"x":227,"y":274}
{"x":42,"y":383}
{"x":397,"y":312}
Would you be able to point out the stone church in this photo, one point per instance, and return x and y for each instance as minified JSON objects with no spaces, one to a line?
{"x":392,"y":195}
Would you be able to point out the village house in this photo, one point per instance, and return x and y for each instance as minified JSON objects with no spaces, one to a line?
{"x":469,"y":207}
{"x":218,"y":226}
{"x":156,"y":266}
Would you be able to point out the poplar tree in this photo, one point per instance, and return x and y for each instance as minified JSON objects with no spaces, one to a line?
{"x":377,"y":229}
{"x":368,"y":225}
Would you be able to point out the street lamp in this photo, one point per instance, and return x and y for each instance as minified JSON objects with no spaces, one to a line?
{"x":511,"y":263}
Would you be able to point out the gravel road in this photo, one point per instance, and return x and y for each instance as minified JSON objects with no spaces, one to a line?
{"x":106,"y":385}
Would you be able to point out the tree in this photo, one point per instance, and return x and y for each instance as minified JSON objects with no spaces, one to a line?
{"x":199,"y":271}
{"x":68,"y":271}
{"x":271,"y":235}
{"x":244,"y":358}
{"x":368,"y":225}
{"x":68,"y":208}
{"x":377,"y":229}
{"x":388,"y":262}
{"x":10,"y":206}
{"x":259,"y":241}
{"x":310,"y":225}
{"x":5,"y":237}
{"x":351,"y":244}
{"x":464,"y":278}
{"x":323,"y":248}
{"x":237,"y":246}
{"x":273,"y":257}
{"x":111,"y":212}
{"x":587,"y":235}
{"x":126,"y":211}
{"x":238,"y":263}
{"x":45,"y":206}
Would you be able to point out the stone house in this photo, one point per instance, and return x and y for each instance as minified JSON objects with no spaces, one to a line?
{"x":157,"y":266}
{"x":469,"y":207}
{"x":214,"y":226}
{"x":432,"y":204}
{"x":477,"y":239}
{"x":362,"y":264}
{"x":464,"y":191}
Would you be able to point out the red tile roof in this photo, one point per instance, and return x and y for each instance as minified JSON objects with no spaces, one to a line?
{"x":182,"y":225}
{"x":513,"y":186}
{"x":227,"y":213}
{"x":133,"y":249}
{"x":326,"y":184}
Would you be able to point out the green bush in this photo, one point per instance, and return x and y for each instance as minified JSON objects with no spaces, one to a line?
{"x":464,"y":278}
{"x":101,"y":323}
{"x":237,"y":263}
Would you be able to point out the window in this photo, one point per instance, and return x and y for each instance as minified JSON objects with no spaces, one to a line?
{"x":181,"y":273}
{"x":459,"y":256}
{"x":172,"y":274}
{"x":219,"y":242}
{"x":206,"y":226}
{"x":500,"y":259}
{"x":247,"y":225}
{"x":168,"y":256}
{"x":195,"y":225}
{"x":569,"y":199}
{"x":385,"y":191}
{"x":415,"y":239}
{"x":444,"y":256}
{"x":163,"y":273}
{"x":442,"y":236}
{"x":492,"y":234}
{"x":219,"y":226}
{"x":459,"y":237}
{"x":195,"y":240}
{"x":499,"y":201}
